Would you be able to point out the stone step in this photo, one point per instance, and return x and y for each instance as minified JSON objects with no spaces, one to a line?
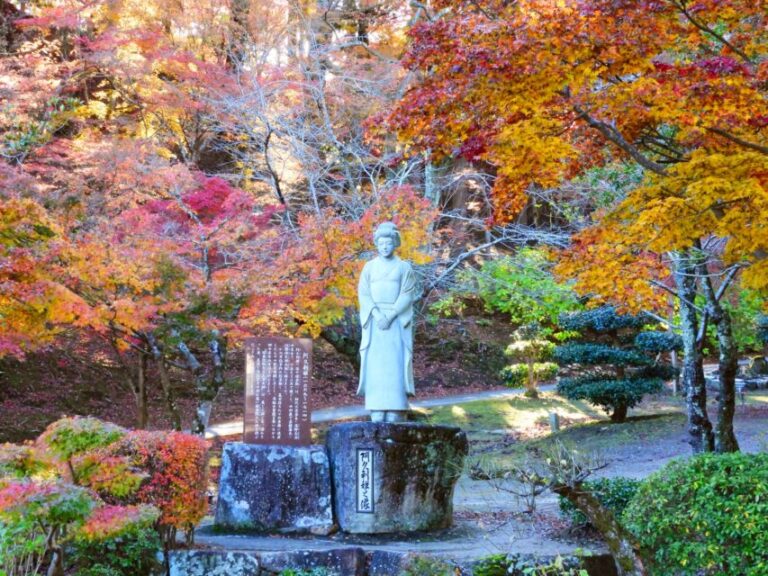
{"x":345,"y":561}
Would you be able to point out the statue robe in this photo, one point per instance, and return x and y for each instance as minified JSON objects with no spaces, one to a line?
{"x":386,"y":356}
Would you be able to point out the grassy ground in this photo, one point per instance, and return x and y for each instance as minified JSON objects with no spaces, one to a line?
{"x":507,"y":432}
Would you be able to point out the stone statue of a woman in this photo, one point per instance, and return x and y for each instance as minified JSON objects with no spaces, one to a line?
{"x":386,"y":292}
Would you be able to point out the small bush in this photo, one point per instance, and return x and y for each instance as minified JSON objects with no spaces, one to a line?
{"x":175,"y":466}
{"x":514,"y":565}
{"x":516,"y":375}
{"x":427,"y":566}
{"x":33,"y":516}
{"x":310,"y":572}
{"x":118,"y":541}
{"x":705,"y":516}
{"x":69,"y":437}
{"x":613,"y":493}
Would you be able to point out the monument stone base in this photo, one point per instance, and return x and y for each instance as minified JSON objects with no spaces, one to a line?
{"x":394,"y":477}
{"x":266,"y":488}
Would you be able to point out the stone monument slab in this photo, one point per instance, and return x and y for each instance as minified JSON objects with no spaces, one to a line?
{"x":394,"y":477}
{"x":277,"y":379}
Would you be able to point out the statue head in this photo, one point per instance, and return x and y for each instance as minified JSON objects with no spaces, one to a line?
{"x":386,"y":238}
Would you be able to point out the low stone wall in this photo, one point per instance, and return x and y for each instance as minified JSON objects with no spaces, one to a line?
{"x":349,"y":561}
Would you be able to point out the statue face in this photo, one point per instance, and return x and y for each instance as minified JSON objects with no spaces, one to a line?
{"x":385,"y":246}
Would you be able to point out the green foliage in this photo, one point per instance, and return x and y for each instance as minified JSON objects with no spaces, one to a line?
{"x":494,"y":565}
{"x":22,"y":461}
{"x":34,"y":514}
{"x":448,"y":306}
{"x":311,"y":572}
{"x":427,"y":566}
{"x":516,"y":375}
{"x":656,"y":342}
{"x":602,"y":319}
{"x":118,"y":541}
{"x":746,"y":317}
{"x":613,"y":493}
{"x":527,"y":345}
{"x":762,"y":329}
{"x":610,"y":395}
{"x":705,"y":516}
{"x":529,"y":348}
{"x":613,"y":375}
{"x":69,"y":437}
{"x":523,"y":287}
{"x":595,"y":354}
{"x":514,"y":565}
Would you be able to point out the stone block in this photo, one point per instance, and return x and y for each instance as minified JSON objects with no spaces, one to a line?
{"x":342,"y":561}
{"x":413,"y":467}
{"x":385,"y":563}
{"x":283,"y":489}
{"x":212,"y":563}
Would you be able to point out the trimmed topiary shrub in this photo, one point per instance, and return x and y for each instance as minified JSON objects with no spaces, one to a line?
{"x":657,"y":342}
{"x":612,"y":361}
{"x":528,"y":350}
{"x":613,"y":493}
{"x":704,"y":516}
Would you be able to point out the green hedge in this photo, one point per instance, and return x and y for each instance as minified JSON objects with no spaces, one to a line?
{"x":613,"y":493}
{"x":705,"y":516}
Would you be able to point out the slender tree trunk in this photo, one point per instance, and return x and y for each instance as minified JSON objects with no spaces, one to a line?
{"x":141,"y":392}
{"x":700,"y":434}
{"x":134,"y":380}
{"x":165,"y":380}
{"x":725,"y":437}
{"x":531,"y":391}
{"x":207,"y":388}
{"x":623,"y":548}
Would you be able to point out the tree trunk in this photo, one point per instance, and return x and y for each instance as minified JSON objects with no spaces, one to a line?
{"x":203,"y":410}
{"x":165,"y":380}
{"x":531,"y":391}
{"x":700,"y":434}
{"x":725,"y":438}
{"x":134,"y":379}
{"x":619,"y":413}
{"x":623,"y":548}
{"x":207,"y":388}
{"x":142,"y":410}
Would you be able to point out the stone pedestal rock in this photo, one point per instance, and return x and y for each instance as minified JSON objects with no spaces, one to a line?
{"x":415,"y":469}
{"x":266,"y":488}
